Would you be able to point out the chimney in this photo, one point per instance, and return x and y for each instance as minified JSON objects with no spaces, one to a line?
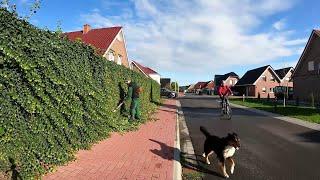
{"x":86,"y":28}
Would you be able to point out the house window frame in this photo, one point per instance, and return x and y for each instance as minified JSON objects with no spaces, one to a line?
{"x":111,"y":58}
{"x":311,"y":66}
{"x":119,"y":59}
{"x":271,"y":90}
{"x":264,"y":77}
{"x":272,"y":79}
{"x":264,"y":90}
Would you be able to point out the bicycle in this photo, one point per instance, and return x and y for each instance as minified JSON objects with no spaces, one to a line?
{"x":226,"y":109}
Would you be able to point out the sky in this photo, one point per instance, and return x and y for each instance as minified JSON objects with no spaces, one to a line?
{"x":193,"y":40}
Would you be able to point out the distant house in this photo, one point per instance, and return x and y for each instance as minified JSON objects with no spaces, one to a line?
{"x":190,"y":88}
{"x":306,"y":76}
{"x":285,"y":75}
{"x":231,"y":79}
{"x":108,"y":42}
{"x":183,"y":88}
{"x":148,"y":72}
{"x":165,"y":83}
{"x":258,"y":82}
{"x":209,"y":88}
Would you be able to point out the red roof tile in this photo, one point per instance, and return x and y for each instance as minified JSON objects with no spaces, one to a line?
{"x":99,"y":38}
{"x":146,"y":70}
{"x":200,"y":85}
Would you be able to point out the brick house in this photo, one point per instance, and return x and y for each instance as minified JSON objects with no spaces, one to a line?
{"x":148,"y":72}
{"x":108,"y":42}
{"x":258,"y":82}
{"x":231,"y":79}
{"x":306,"y":76}
{"x":285,"y":75}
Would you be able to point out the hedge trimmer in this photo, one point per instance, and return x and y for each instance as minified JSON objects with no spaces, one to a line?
{"x":119,"y":104}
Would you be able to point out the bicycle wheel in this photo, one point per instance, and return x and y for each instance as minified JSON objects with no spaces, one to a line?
{"x":229,"y":112}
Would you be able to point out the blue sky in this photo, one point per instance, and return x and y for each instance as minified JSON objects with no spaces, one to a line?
{"x":193,"y":40}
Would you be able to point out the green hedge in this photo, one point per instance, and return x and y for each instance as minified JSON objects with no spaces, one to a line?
{"x":56,"y":97}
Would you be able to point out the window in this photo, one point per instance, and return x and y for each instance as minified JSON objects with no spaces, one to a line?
{"x":230,"y":82}
{"x":264,"y":90}
{"x":263,"y":77}
{"x":111,"y":56}
{"x":235,"y":81}
{"x":119,"y":59}
{"x":271,"y":90}
{"x":272,"y":78}
{"x":310,"y":65}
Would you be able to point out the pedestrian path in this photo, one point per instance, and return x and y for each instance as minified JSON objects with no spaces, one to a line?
{"x":143,"y":154}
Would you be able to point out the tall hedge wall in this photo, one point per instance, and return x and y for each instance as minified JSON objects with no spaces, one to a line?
{"x":56,"y":97}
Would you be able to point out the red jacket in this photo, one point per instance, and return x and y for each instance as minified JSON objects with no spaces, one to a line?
{"x":224,"y":90}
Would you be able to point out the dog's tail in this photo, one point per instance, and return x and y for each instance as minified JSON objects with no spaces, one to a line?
{"x":204,"y":131}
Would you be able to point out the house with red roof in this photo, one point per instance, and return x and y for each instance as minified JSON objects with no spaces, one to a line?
{"x":148,"y":72}
{"x":108,"y":42}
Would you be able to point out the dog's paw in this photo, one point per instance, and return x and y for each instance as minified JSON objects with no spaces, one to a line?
{"x":204,"y":155}
{"x":208,"y":162}
{"x":232,"y":170}
{"x":226,"y":176}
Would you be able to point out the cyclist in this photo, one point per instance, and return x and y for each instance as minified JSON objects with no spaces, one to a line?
{"x":224,"y":92}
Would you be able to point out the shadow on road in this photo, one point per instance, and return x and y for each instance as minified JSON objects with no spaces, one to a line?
{"x":311,"y":136}
{"x":190,"y":163}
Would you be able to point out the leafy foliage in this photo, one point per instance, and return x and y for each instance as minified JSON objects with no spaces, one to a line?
{"x":57,"y":97}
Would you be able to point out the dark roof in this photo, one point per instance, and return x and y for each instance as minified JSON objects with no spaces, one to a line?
{"x":99,"y":38}
{"x":283,"y":72}
{"x":251,"y":76}
{"x":145,"y":70}
{"x":219,"y":78}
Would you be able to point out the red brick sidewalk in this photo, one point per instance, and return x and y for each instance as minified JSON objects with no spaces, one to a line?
{"x":143,"y":154}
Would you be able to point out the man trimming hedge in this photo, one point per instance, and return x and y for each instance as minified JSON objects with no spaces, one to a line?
{"x":134,"y":91}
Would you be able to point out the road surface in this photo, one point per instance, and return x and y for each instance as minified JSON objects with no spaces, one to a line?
{"x":270,"y":148}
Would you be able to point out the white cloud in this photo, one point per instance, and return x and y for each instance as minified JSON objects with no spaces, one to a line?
{"x":201,"y":36}
{"x":280,"y":25}
{"x":294,"y":42}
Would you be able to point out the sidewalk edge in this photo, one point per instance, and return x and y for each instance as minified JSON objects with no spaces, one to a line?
{"x":292,"y":120}
{"x":177,"y":169}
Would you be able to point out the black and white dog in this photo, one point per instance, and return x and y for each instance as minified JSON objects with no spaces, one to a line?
{"x":224,"y":148}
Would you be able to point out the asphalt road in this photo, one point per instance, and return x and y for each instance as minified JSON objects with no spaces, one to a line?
{"x":270,"y":148}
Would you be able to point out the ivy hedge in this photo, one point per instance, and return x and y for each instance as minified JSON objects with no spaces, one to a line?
{"x":57,"y":97}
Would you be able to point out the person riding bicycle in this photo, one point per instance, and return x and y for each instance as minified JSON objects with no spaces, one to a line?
{"x":224,"y":91}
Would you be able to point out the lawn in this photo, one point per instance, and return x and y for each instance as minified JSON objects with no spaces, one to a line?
{"x":303,"y":113}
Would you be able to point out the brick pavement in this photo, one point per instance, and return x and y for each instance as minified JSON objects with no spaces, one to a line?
{"x":143,"y":154}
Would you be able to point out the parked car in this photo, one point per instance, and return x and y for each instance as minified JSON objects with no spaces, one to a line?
{"x":280,"y":91}
{"x":168,"y":93}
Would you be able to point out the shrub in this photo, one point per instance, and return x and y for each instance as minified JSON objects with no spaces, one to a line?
{"x":56,"y":97}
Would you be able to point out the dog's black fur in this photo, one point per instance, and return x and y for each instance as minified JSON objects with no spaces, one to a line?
{"x":219,"y":145}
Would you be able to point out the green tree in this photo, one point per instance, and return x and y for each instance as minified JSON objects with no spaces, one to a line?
{"x":174,"y":86}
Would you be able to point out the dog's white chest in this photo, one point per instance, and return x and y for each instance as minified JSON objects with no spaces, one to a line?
{"x":229,"y":151}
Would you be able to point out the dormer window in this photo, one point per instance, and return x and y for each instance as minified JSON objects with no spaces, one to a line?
{"x":311,"y":66}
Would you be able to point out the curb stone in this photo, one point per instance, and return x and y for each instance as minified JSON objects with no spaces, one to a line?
{"x":177,"y":170}
{"x":292,"y":120}
{"x":187,"y":150}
